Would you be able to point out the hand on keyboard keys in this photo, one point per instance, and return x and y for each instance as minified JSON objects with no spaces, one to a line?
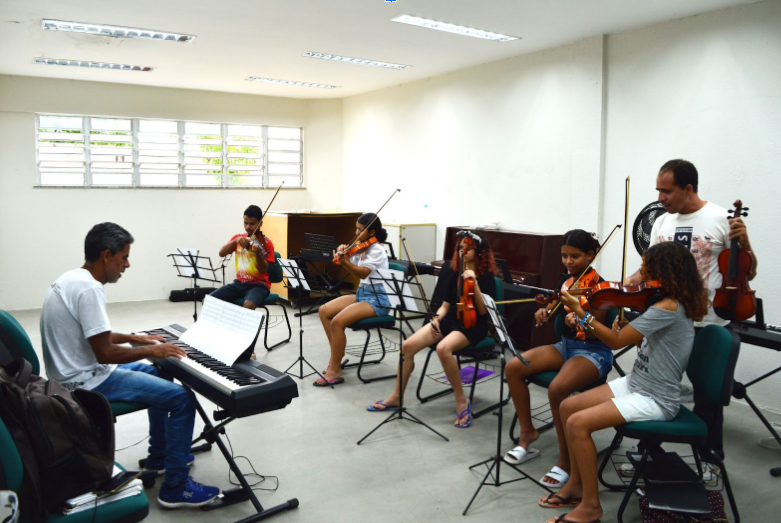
{"x":164,"y":350}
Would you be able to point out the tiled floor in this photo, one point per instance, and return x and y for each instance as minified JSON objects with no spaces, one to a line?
{"x":403,"y":472}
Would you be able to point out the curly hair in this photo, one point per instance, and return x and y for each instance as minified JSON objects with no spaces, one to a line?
{"x":485,"y":258}
{"x":673,"y":265}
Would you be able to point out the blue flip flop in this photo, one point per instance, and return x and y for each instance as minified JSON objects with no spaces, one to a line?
{"x":466,"y":412}
{"x":388,"y":408}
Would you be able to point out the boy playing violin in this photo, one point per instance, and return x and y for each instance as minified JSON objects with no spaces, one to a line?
{"x":253,"y":254}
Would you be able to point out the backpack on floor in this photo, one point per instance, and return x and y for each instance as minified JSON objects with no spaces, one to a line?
{"x":717,"y":514}
{"x":65,"y":439}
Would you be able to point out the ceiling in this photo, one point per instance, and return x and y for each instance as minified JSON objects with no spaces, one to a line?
{"x":241,"y":38}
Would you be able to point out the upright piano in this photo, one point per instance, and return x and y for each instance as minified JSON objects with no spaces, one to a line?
{"x":534,"y":261}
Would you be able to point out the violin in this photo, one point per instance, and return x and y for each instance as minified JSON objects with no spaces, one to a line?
{"x":734,"y":300}
{"x":609,"y":295}
{"x":587,"y":281}
{"x":355,"y":249}
{"x":466,"y":311}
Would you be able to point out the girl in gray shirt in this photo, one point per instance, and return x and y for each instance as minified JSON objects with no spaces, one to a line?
{"x":652,"y":392}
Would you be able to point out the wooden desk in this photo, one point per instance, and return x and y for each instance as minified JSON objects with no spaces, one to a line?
{"x":286,"y":230}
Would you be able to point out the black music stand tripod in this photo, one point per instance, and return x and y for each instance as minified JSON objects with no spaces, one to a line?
{"x":189,"y":265}
{"x":397,"y":294}
{"x":497,"y":460}
{"x":322,"y":243}
{"x":296,"y":280}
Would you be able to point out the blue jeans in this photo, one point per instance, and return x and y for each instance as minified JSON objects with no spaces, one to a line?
{"x":374,"y":295}
{"x":169,"y":436}
{"x":593,"y":350}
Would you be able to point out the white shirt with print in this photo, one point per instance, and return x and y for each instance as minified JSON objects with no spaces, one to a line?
{"x":705,"y":233}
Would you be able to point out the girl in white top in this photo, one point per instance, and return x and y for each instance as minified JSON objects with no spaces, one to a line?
{"x":370,"y":300}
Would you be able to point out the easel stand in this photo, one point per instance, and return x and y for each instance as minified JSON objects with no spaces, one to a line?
{"x":395,"y":287}
{"x":211,"y":434}
{"x":497,"y":460}
{"x":296,"y":280}
{"x":190,"y":265}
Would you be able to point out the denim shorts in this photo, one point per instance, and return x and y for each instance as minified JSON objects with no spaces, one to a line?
{"x":594,"y":350}
{"x":375,"y":296}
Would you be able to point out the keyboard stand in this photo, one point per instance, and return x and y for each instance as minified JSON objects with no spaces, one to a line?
{"x":211,"y":434}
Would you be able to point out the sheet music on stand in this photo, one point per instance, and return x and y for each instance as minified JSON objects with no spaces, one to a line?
{"x":402,"y":292}
{"x":500,"y":328}
{"x":291,"y":271}
{"x":224,"y":330}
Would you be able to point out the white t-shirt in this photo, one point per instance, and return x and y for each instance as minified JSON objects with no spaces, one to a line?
{"x":374,"y":257}
{"x":705,"y":233}
{"x":74,"y":310}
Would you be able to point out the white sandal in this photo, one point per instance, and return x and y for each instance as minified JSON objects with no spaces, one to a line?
{"x":520,"y":455}
{"x":555,"y":473}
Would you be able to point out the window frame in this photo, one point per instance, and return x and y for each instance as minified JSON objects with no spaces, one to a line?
{"x":182,"y":176}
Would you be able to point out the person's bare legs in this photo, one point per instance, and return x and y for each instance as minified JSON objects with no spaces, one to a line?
{"x":327,"y":311}
{"x":454,"y":342}
{"x":423,"y":337}
{"x":576,"y":374}
{"x":348,"y":315}
{"x":582,"y":415}
{"x":542,"y":359}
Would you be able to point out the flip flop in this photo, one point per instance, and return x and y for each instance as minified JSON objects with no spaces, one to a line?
{"x":325,"y":382}
{"x":520,"y":455}
{"x":555,"y":473}
{"x":466,"y":412}
{"x":564,"y":502}
{"x":562,"y":519}
{"x":387,"y":408}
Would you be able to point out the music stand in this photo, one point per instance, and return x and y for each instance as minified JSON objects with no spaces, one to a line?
{"x":189,"y":265}
{"x":296,"y":280}
{"x":223,"y":264}
{"x":398,"y":291}
{"x":506,"y":343}
{"x":325,"y":246}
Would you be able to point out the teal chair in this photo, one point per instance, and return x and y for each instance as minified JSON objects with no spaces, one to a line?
{"x":485,"y":349}
{"x":711,"y":369}
{"x":272,"y":299}
{"x":377,"y":323}
{"x":128,"y":510}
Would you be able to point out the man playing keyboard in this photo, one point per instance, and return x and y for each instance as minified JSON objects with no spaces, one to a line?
{"x":81,"y":351}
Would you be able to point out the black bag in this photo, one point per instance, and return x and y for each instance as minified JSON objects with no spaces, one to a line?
{"x":65,"y":439}
{"x":716,"y":515}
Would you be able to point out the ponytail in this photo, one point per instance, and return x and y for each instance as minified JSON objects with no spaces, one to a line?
{"x":379,"y":232}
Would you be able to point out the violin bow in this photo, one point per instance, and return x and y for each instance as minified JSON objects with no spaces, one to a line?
{"x":626,"y":237}
{"x":576,"y":282}
{"x":371,"y":222}
{"x":266,"y":211}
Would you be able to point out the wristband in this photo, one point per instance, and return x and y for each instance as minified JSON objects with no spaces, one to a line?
{"x":583,"y":321}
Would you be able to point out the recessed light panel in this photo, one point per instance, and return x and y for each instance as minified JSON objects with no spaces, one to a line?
{"x":358,"y":61}
{"x":95,"y":65}
{"x":452,"y":28}
{"x":290,"y":82}
{"x":116,"y":31}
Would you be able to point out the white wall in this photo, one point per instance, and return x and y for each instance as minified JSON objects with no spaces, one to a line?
{"x":543,"y":142}
{"x":515,"y":141}
{"x":42,"y":229}
{"x":708,"y":89}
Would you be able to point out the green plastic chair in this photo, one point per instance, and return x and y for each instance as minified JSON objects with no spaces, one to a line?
{"x":485,"y":349}
{"x":376,"y":323}
{"x":128,"y":510}
{"x":272,"y":299}
{"x":711,"y":369}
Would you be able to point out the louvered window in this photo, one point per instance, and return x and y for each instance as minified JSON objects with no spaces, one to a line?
{"x":127,"y":152}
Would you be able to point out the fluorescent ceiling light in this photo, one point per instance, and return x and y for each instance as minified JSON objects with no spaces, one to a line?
{"x":452,"y":28}
{"x":96,"y":65}
{"x":358,"y":61}
{"x":290,"y":82}
{"x":117,"y":31}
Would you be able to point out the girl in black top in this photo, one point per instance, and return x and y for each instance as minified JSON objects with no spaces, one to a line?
{"x":446,"y":330}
